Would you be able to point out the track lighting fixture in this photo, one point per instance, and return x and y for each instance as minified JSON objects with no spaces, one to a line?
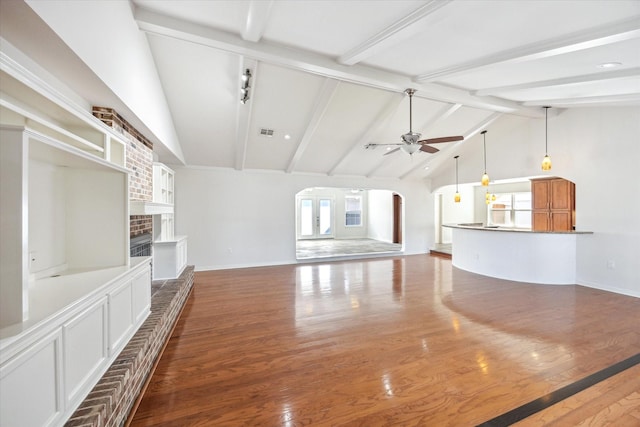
{"x":485,"y":178}
{"x":245,"y":86}
{"x":546,"y":161}
{"x":456,"y":197}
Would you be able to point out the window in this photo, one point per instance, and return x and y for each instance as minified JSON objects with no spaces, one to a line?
{"x":353,"y":211}
{"x":510,"y":210}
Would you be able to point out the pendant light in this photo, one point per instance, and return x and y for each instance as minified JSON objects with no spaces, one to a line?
{"x":456,"y":197}
{"x":546,"y":161}
{"x":485,"y":177}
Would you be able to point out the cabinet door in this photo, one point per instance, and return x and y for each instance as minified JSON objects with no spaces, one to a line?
{"x":540,"y":221}
{"x":561,"y":194}
{"x":30,"y":385}
{"x":141,"y":292}
{"x":540,"y":194}
{"x":561,"y":221}
{"x":85,"y":350}
{"x":120,"y":316}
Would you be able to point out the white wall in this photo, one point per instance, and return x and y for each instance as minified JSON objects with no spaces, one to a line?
{"x":599,"y":150}
{"x":127,"y":68}
{"x":456,"y":213}
{"x":47,"y":216}
{"x":380,"y":210}
{"x":240,"y":219}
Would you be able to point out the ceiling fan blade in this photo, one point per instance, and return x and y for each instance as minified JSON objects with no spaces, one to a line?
{"x":391,"y":151}
{"x":441,"y":139}
{"x":429,"y":149}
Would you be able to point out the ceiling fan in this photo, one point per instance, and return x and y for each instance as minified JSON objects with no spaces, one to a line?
{"x":411,"y":141}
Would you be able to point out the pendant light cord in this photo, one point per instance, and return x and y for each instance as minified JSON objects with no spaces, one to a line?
{"x":410,"y":92}
{"x":484,"y":144}
{"x":546,"y":150}
{"x":456,"y":157}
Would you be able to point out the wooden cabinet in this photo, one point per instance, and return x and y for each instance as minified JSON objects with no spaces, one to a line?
{"x":553,"y":204}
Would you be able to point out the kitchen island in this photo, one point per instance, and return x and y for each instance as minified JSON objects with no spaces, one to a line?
{"x":545,"y":257}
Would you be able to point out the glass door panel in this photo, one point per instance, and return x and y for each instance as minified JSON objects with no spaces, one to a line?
{"x":324,"y":218}
{"x":315,"y":217}
{"x":307,"y":218}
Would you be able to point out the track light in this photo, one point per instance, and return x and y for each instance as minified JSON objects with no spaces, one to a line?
{"x":245,"y":86}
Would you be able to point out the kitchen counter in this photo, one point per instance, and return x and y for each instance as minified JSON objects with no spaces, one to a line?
{"x":545,"y":257}
{"x":480,"y":226}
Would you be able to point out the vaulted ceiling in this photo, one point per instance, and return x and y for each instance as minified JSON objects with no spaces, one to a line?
{"x":328,"y":77}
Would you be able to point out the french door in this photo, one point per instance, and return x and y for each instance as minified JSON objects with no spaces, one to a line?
{"x":315,"y":217}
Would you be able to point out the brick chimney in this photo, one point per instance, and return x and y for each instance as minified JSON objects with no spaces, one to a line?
{"x":139,"y":161}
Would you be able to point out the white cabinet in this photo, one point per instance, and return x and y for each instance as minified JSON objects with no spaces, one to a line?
{"x":169,"y":258}
{"x":120,"y":302}
{"x":48,"y":367}
{"x":163,"y":227}
{"x":30,"y":388}
{"x":85,"y":349}
{"x":162,"y":184}
{"x":169,"y":250}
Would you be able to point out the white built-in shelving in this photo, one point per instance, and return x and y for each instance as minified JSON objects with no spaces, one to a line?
{"x":70,"y":295}
{"x":169,"y":250}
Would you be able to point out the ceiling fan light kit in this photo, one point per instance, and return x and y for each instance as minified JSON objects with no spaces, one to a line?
{"x":411,"y":142}
{"x":546,"y":161}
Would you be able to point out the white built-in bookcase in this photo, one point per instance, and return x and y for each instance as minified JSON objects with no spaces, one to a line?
{"x":70,"y":295}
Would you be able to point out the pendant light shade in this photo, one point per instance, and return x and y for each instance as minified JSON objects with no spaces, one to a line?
{"x":485,"y":178}
{"x":546,"y":161}
{"x":456,"y":197}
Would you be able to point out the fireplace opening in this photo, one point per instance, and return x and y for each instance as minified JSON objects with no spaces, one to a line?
{"x":140,"y":245}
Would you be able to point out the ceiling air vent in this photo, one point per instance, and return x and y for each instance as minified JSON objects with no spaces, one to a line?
{"x":266,"y":132}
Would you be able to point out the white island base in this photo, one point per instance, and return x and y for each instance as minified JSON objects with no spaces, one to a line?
{"x":518,"y":255}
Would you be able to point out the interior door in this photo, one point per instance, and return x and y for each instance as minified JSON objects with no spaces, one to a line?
{"x":397,"y":218}
{"x":315,"y":217}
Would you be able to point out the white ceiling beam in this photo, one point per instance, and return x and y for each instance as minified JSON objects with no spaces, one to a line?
{"x":311,"y":62}
{"x":326,"y":94}
{"x":243,"y":111}
{"x":443,"y":114}
{"x":572,"y":102}
{"x":381,"y":119}
{"x":434,"y":162}
{"x":393,"y":34}
{"x":587,"y":78}
{"x":257,"y":20}
{"x":618,"y":32}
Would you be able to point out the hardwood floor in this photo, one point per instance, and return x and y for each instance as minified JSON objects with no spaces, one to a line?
{"x":407,"y":341}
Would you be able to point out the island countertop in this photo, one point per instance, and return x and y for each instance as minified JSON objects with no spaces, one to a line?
{"x":480,"y":226}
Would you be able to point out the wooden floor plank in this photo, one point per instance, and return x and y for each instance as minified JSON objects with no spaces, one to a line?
{"x":399,"y":341}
